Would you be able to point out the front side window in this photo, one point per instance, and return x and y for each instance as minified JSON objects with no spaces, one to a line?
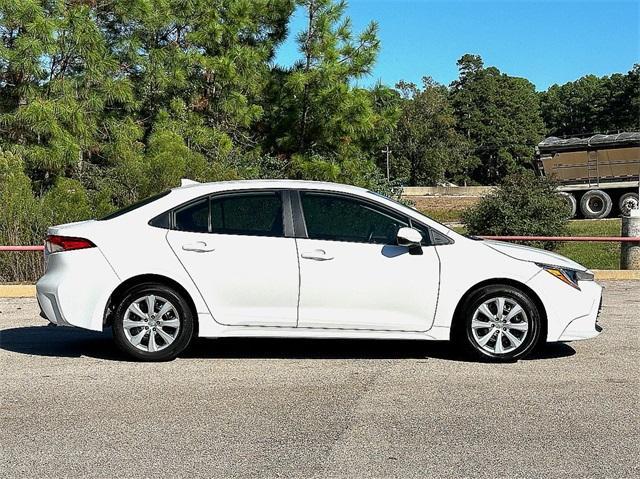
{"x":193,"y":217}
{"x":258,"y":214}
{"x":424,"y":231}
{"x":337,"y":218}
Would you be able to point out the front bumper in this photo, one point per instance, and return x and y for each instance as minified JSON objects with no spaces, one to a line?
{"x":584,"y":327}
{"x":571,"y":313}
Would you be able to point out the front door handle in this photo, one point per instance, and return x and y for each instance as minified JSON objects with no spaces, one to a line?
{"x":198,"y":247}
{"x":317,"y":255}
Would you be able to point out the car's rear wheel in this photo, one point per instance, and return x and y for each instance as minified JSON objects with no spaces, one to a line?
{"x":152,"y":322}
{"x":500,"y":323}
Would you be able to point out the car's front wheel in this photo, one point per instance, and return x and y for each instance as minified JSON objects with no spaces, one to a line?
{"x":501,"y":323}
{"x":152,"y":322}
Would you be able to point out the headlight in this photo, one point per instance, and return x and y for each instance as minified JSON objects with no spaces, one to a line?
{"x":568,"y":276}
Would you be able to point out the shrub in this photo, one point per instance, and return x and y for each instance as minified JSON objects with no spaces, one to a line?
{"x":19,"y":220}
{"x":523,"y":204}
{"x":24,"y":218}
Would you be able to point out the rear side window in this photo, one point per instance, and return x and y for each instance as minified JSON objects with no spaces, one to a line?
{"x":343,"y":219}
{"x":255,"y":214}
{"x":193,"y":217}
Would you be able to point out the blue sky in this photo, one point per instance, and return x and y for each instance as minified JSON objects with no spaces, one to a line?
{"x":545,"y":41}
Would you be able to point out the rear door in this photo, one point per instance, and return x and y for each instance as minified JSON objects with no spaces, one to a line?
{"x":235,"y":249}
{"x":354,"y":275}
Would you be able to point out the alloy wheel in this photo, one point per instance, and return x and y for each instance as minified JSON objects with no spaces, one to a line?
{"x":499,"y":325}
{"x":151,"y":323}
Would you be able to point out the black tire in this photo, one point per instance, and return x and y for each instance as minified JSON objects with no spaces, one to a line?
{"x":572,"y":204}
{"x":627,"y":202}
{"x":596,"y":204}
{"x":531,"y":315}
{"x":183,"y":333}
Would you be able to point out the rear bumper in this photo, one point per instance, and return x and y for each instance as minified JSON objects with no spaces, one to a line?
{"x":50,"y":310}
{"x":75,"y":288}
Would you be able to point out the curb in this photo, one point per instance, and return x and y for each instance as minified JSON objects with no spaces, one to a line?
{"x":29,"y":290}
{"x":17,"y":290}
{"x":616,"y":274}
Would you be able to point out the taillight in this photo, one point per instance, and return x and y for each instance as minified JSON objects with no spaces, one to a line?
{"x":55,"y":243}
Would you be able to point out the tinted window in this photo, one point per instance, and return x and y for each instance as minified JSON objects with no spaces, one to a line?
{"x":193,"y":217}
{"x":257,"y":214}
{"x":135,"y":206}
{"x":342,"y":219}
{"x":162,"y":221}
{"x":424,"y":231}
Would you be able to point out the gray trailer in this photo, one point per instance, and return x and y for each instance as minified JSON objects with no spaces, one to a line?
{"x":598,"y":175}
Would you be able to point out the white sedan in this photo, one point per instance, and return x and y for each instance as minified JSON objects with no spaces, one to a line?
{"x":281,"y":258}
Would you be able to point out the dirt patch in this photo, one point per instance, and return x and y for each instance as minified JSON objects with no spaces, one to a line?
{"x":443,"y":208}
{"x":443,"y":202}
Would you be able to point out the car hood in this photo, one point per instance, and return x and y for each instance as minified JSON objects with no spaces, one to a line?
{"x":535,"y":255}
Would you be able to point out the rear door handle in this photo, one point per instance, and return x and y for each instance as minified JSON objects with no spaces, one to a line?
{"x":317,"y":255}
{"x":198,"y":247}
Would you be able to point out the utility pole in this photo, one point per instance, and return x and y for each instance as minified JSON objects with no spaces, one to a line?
{"x":387,"y":151}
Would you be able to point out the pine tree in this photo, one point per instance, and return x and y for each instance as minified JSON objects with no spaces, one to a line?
{"x":500,"y":114}
{"x":329,"y":128}
{"x":593,"y":104}
{"x":427,"y":147}
{"x":58,"y":79}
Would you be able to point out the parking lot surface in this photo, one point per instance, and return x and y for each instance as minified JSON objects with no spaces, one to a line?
{"x":72,"y":406}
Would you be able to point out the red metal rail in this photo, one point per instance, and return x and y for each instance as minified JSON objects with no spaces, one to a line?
{"x":610,"y":239}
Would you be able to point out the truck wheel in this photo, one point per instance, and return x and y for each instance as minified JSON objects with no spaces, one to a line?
{"x":572,"y":204}
{"x":596,"y":204}
{"x":628,"y":201}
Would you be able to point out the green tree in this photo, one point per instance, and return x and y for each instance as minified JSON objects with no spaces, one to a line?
{"x":199,"y":72}
{"x":593,"y":104}
{"x":500,"y":114}
{"x":427,"y":148}
{"x":58,"y":78}
{"x":316,"y":116}
{"x":109,"y":93}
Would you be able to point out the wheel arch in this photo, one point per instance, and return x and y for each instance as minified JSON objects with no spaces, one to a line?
{"x":456,"y":321}
{"x":123,"y":287}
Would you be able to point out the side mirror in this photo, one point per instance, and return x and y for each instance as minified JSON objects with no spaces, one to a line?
{"x":409,"y":237}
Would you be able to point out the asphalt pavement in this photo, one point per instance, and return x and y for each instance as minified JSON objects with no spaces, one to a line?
{"x":72,"y":406}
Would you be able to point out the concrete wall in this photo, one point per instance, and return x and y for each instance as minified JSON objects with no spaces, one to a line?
{"x":447,"y":190}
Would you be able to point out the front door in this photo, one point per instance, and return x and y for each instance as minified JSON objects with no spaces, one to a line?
{"x":234,"y":248}
{"x":355,"y":276}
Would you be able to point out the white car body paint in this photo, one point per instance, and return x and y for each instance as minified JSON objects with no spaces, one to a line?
{"x":243,"y":295}
{"x":367,"y":286}
{"x":264,"y":286}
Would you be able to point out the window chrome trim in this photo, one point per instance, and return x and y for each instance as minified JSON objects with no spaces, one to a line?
{"x":301,"y":229}
{"x":368,"y":203}
{"x":288,"y":225}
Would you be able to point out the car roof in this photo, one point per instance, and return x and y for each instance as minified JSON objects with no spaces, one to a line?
{"x":192,"y":190}
{"x":265,"y":184}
